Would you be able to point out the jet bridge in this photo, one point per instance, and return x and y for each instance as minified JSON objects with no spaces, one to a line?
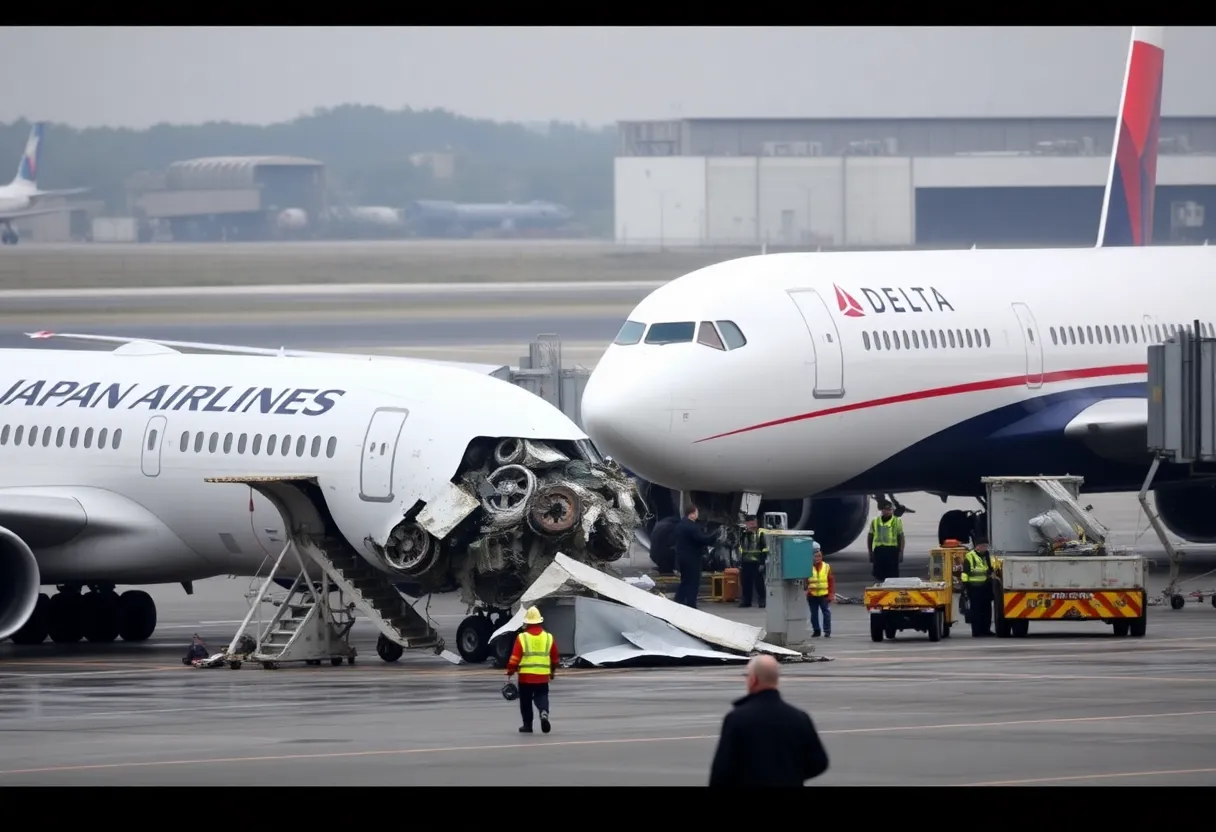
{"x":541,"y":372}
{"x":1181,"y":425}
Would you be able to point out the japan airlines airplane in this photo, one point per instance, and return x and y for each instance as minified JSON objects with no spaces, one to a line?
{"x":814,"y":380}
{"x":20,"y":197}
{"x":147,"y":465}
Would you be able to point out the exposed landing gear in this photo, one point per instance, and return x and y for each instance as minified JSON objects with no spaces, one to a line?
{"x":899,"y":509}
{"x":8,"y":235}
{"x":99,"y":616}
{"x":473,"y":637}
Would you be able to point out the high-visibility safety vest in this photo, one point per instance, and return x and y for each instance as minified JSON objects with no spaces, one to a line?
{"x":886,"y":532}
{"x":753,"y":545}
{"x":536,"y":649}
{"x":975,"y":568}
{"x":817,"y":584}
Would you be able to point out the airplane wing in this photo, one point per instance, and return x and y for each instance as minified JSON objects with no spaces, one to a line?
{"x":496,"y":370}
{"x":30,"y":212}
{"x":61,"y":192}
{"x":1116,"y":429}
{"x":1110,"y":417}
{"x":42,"y":519}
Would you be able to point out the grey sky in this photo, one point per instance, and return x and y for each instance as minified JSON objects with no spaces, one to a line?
{"x":139,"y":76}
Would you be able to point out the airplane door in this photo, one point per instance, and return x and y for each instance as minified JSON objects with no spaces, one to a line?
{"x":154,"y":437}
{"x":1034,"y":345}
{"x":825,"y":341}
{"x":379,"y":451}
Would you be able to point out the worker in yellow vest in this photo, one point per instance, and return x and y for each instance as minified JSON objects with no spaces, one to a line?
{"x":885,"y":543}
{"x":535,"y":657}
{"x":820,"y":590}
{"x":753,"y":549}
{"x":977,"y":579}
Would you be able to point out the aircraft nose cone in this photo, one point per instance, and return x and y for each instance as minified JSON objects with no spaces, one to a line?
{"x":626,"y":416}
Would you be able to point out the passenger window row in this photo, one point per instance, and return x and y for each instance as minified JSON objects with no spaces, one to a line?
{"x":1123,"y":333}
{"x":72,"y":438}
{"x":243,"y":444}
{"x":926,"y":339}
{"x":720,"y":335}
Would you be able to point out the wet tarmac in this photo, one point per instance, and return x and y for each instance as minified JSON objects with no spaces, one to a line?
{"x":1070,"y":704}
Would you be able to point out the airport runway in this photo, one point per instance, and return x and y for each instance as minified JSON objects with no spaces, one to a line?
{"x":1070,"y":705}
{"x":386,"y":262}
{"x":483,"y":247}
{"x":407,"y":295}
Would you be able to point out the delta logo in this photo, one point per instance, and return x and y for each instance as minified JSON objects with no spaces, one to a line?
{"x":884,"y":299}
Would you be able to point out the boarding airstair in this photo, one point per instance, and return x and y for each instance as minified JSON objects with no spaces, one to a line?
{"x":1095,"y":532}
{"x":310,"y":627}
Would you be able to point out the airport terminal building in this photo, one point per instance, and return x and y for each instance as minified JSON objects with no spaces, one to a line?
{"x":861,"y":183}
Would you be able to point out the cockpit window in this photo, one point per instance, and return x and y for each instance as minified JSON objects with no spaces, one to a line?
{"x":631,"y":333}
{"x":731,"y":335}
{"x":671,"y":333}
{"x":708,"y":336}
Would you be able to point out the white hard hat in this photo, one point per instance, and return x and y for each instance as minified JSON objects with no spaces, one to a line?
{"x":817,"y":546}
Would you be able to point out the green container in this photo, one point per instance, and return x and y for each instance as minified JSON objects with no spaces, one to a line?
{"x":796,"y":555}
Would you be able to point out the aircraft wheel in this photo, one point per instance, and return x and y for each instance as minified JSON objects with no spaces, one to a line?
{"x":100,"y":617}
{"x":1177,"y":602}
{"x":67,"y":623}
{"x":34,"y":630}
{"x":390,"y":651}
{"x":136,"y":615}
{"x":473,"y":638}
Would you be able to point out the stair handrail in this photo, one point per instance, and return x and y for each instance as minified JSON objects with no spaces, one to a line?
{"x":257,"y":601}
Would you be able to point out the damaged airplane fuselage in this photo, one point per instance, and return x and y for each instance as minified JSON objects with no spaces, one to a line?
{"x":150,"y":466}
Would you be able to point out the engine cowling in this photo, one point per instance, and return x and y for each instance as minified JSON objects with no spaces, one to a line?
{"x":1187,"y":511}
{"x":20,"y":583}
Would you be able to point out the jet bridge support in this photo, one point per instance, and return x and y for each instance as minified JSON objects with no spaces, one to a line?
{"x":309,"y":626}
{"x":1181,"y":424}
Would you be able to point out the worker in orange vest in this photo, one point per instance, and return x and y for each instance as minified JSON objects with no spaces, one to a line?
{"x":535,"y":657}
{"x":820,"y":590}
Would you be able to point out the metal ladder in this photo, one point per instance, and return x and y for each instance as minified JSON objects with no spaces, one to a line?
{"x":309,"y":627}
{"x":1072,"y":510}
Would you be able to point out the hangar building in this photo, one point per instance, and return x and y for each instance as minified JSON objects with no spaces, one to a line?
{"x":237,"y":197}
{"x":862,"y":183}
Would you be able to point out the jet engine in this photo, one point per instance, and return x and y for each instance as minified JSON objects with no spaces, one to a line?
{"x":19,"y":583}
{"x":836,"y":521}
{"x":1186,"y":510}
{"x":523,"y":502}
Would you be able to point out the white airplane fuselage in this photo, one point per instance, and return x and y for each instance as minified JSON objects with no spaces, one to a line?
{"x":903,"y":371}
{"x":16,"y":197}
{"x":378,"y":435}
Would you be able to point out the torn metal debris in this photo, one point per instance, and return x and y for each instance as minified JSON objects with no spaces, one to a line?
{"x":599,"y":620}
{"x":512,"y":506}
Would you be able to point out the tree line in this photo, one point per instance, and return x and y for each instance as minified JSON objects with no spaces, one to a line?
{"x":366,"y":151}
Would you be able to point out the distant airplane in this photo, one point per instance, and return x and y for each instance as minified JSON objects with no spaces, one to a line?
{"x":458,"y":219}
{"x":19,"y":197}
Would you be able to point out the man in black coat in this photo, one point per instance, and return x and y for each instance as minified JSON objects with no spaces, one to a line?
{"x":662,"y":545}
{"x":690,"y":542}
{"x":766,"y":741}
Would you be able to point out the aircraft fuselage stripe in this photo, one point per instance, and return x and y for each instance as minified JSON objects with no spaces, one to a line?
{"x":951,"y":390}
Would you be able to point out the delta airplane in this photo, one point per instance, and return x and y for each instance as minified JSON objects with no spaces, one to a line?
{"x":811,"y":381}
{"x":148,"y":465}
{"x":20,"y":197}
